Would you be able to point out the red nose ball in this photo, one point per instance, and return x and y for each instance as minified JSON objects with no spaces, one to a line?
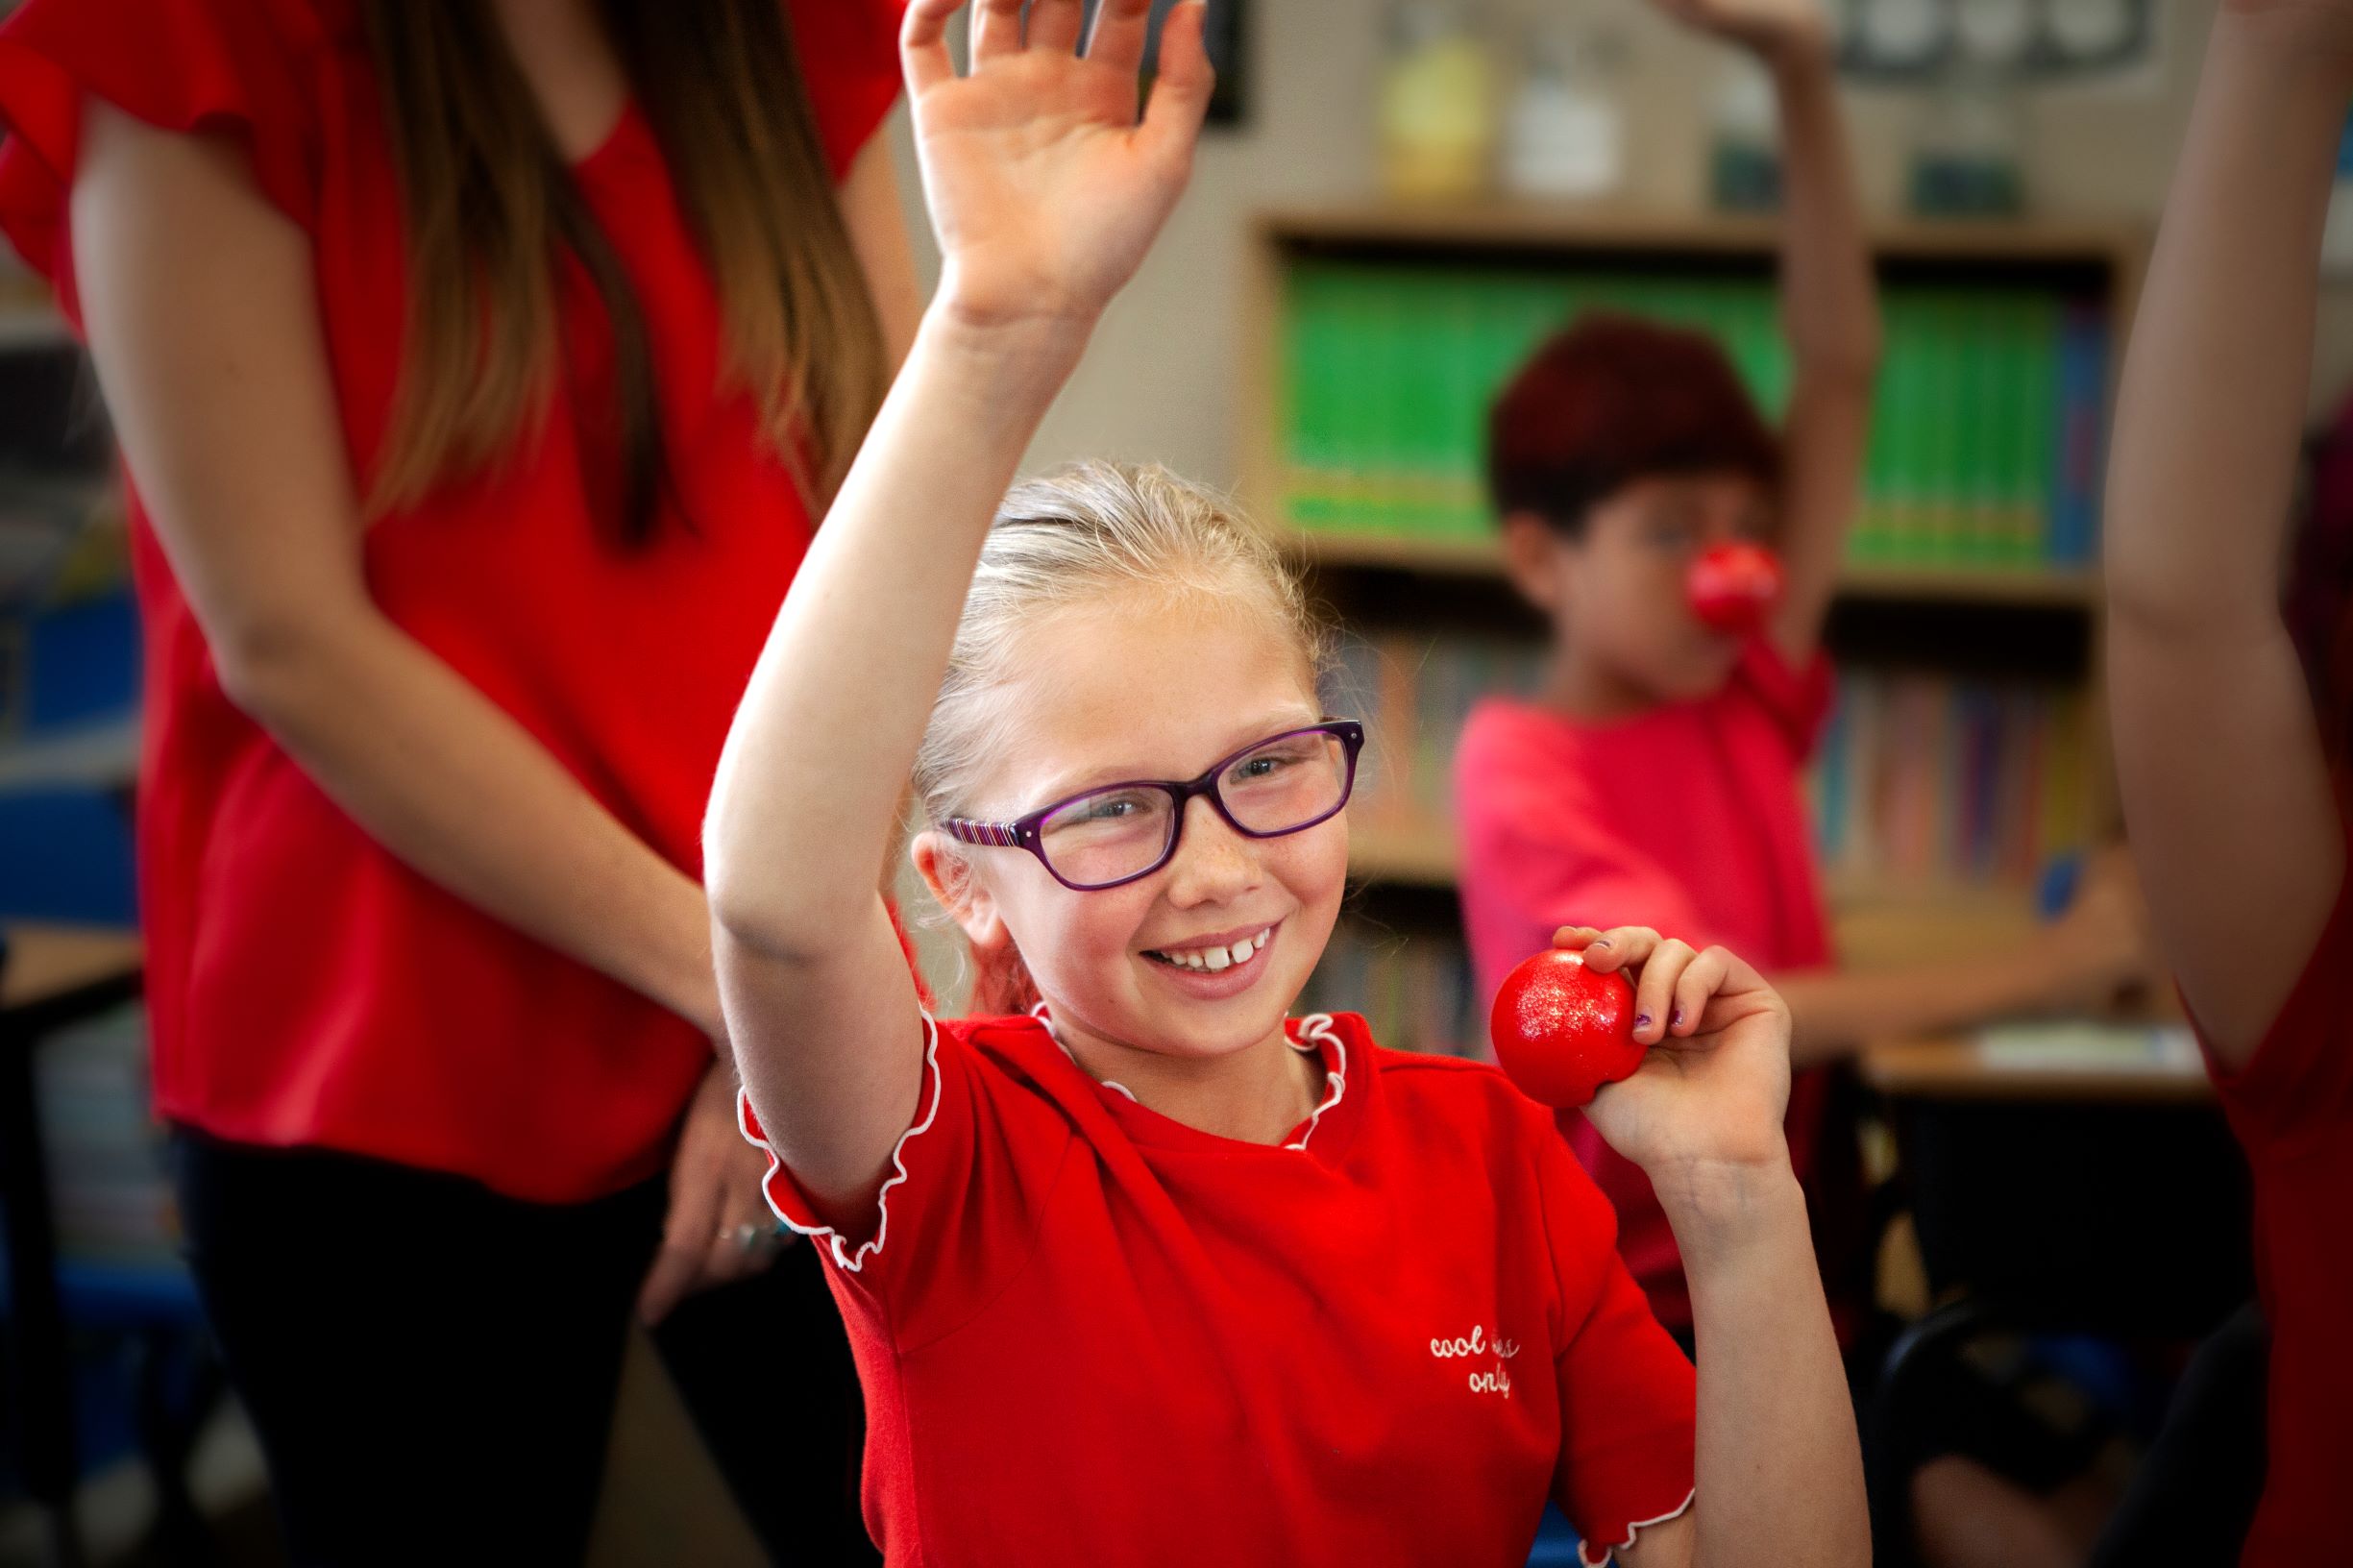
{"x":1734,"y":587}
{"x":1561,"y":1030}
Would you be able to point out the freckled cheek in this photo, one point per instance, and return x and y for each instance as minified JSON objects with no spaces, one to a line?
{"x":1089,"y":936}
{"x":1312,"y":868}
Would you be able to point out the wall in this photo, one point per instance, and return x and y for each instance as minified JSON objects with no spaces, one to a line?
{"x":1159,"y":381}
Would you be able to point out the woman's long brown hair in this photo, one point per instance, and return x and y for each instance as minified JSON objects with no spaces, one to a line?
{"x":492,"y":214}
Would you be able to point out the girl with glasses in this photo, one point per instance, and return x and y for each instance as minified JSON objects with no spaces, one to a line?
{"x":1149,"y":1272}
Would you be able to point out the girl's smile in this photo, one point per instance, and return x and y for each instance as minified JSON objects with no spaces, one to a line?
{"x":1218,"y":966}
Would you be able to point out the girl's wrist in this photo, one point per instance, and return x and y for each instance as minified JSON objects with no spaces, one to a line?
{"x":964,"y":326}
{"x":1018,"y":366}
{"x":1720,"y":1208}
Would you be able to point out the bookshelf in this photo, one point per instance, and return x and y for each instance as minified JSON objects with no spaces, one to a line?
{"x":1967,"y":619}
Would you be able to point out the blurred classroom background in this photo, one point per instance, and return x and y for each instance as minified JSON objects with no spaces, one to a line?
{"x":1403,"y":196}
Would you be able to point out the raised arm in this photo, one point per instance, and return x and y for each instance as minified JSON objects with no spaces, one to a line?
{"x":1829,"y":301}
{"x":1779,"y":1470}
{"x":1045,"y":190}
{"x":2226,"y":794}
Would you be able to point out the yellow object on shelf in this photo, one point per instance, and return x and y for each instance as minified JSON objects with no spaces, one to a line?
{"x":1439,"y":96}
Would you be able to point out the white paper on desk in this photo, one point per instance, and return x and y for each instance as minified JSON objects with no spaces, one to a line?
{"x":2089,"y":1047}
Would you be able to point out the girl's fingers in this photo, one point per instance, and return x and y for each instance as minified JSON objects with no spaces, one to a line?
{"x":1655,"y":988}
{"x":923,"y":45}
{"x":1055,"y":24}
{"x":1616,"y":948}
{"x":1181,"y":92}
{"x":996,"y":29}
{"x":1697,"y":985}
{"x":1118,"y":37}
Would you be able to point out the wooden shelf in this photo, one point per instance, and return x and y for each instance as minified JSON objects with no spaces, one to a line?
{"x":1602,"y":228}
{"x":1415,"y":858}
{"x":2063,"y":588}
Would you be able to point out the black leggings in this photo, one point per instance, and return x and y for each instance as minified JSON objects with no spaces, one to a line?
{"x":431,"y":1367}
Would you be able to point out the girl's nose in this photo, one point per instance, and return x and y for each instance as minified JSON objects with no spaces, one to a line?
{"x":1213,"y":861}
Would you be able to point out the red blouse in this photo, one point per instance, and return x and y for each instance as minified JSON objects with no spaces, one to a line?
{"x":305,"y":987}
{"x":2291,"y":1106}
{"x":1090,"y":1334}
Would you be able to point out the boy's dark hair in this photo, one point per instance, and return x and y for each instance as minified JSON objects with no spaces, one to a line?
{"x":1611,"y":400}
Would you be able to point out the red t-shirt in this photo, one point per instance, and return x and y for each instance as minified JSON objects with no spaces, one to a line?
{"x":1090,"y":1334}
{"x":1689,"y":818}
{"x":305,"y":985}
{"x":2291,"y":1107}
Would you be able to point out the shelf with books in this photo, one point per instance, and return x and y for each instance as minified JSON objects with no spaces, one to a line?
{"x":1482,"y":559}
{"x":1383,"y":334}
{"x":1963,"y":755}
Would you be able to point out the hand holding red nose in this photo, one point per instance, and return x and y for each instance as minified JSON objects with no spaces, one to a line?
{"x":1733,"y":587}
{"x":1561,"y":1031}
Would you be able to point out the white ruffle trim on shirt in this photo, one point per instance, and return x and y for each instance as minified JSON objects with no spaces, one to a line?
{"x":1632,"y":1528}
{"x":1317,"y":1026}
{"x":851,"y":1261}
{"x":1314,"y":1027}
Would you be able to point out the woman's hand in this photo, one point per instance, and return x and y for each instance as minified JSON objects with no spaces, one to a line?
{"x":719,"y":1227}
{"x":1776,"y":29}
{"x":1045,"y":187}
{"x":1713,"y":1090}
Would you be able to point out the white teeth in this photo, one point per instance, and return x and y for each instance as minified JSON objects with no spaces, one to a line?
{"x":1212,"y":960}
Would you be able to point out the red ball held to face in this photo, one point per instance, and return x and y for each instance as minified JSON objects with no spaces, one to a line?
{"x":1561,"y":1031}
{"x":1733,"y":587}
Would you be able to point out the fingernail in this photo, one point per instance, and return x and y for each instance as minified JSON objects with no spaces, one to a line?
{"x":1675,"y":1020}
{"x":1598,"y":942}
{"x":1642,"y":1021}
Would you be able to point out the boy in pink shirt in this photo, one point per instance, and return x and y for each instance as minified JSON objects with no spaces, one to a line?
{"x":1656,"y":775}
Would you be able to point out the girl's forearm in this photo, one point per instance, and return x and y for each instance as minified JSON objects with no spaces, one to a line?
{"x":456,"y":788}
{"x":1779,"y":1469}
{"x":819,"y":755}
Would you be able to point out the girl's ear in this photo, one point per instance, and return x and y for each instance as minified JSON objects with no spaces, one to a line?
{"x":949,"y":872}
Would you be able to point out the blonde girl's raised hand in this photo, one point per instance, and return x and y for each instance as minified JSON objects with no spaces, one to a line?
{"x":1715,"y":1086}
{"x":1045,"y":186}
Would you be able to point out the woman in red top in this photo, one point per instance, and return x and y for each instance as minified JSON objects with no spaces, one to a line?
{"x":476,"y":367}
{"x":1150,"y":1274}
{"x":2232,"y":792}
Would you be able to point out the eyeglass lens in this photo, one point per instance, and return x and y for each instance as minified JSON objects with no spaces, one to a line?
{"x":1280,"y":787}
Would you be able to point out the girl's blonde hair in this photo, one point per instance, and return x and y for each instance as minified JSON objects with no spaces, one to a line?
{"x":1088,"y":532}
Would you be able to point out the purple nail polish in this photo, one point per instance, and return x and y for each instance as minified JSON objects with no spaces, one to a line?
{"x":1598,"y":941}
{"x":1676,"y":1019}
{"x":1642,"y":1021}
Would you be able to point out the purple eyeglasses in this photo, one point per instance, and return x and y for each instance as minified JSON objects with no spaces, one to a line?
{"x":1121,"y":832}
